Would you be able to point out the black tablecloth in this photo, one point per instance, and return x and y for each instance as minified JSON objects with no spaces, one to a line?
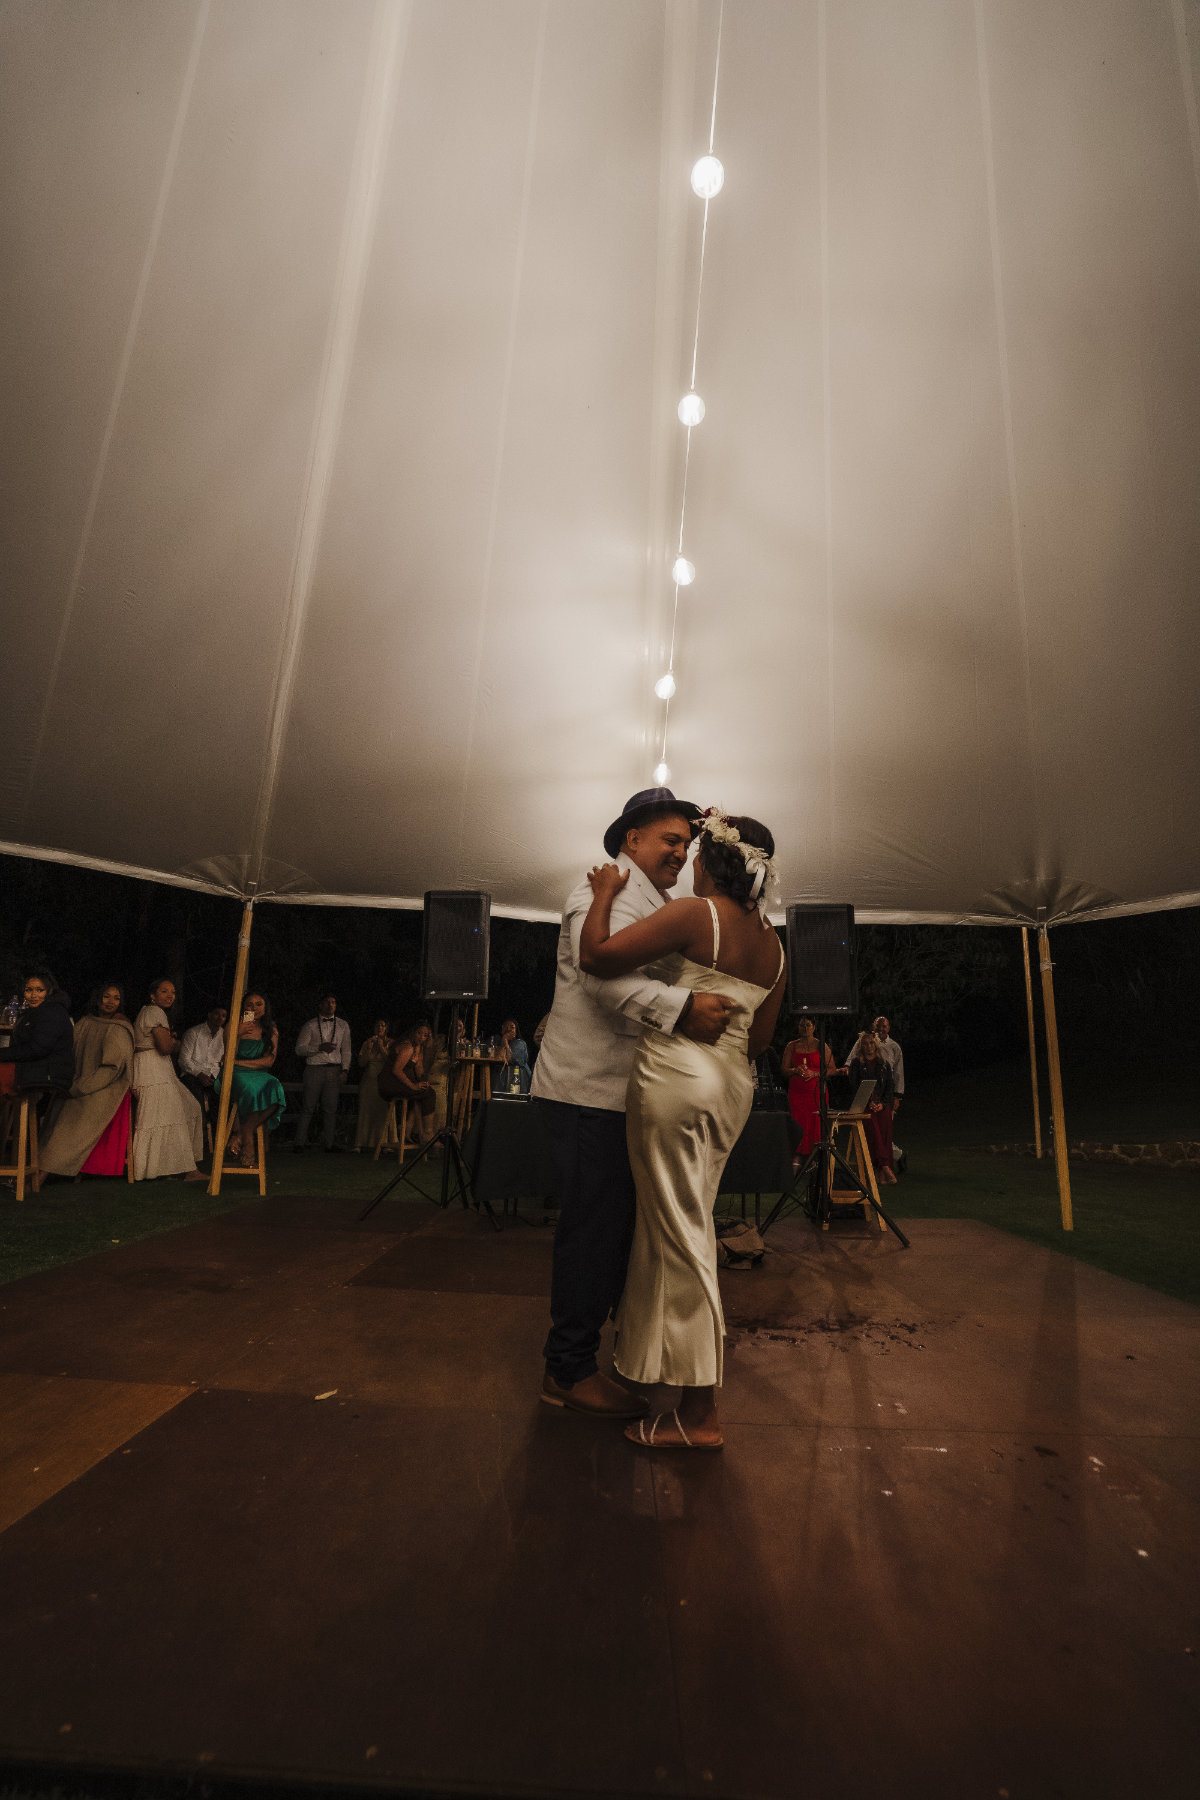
{"x":761,"y":1160}
{"x":507,"y":1153}
{"x":508,"y":1156}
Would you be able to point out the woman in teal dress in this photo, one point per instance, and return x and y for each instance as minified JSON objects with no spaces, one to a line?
{"x":256,"y":1094}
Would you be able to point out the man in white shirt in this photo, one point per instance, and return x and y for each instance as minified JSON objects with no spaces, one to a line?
{"x":893,"y":1055}
{"x":201,"y":1053}
{"x":579,"y":1084}
{"x":324,"y":1048}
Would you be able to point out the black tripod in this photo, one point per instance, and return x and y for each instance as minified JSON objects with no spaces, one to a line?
{"x":447,"y":1137}
{"x":816,"y":1171}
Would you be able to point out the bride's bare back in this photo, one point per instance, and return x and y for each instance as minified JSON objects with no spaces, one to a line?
{"x":749,"y":947}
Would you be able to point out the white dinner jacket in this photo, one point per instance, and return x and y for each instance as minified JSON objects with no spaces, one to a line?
{"x":594,"y":1025}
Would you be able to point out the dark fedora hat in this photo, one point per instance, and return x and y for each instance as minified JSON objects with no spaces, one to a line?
{"x":651,"y":803}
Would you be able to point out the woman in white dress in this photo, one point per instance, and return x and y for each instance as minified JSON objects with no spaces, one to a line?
{"x":168,"y":1133}
{"x":685,"y":1108}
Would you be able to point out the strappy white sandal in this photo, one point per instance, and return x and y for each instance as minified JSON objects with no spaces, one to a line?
{"x":637,"y":1434}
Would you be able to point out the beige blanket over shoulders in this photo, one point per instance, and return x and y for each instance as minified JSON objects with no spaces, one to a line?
{"x":103,"y":1071}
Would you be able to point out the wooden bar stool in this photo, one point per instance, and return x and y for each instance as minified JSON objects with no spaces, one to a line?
{"x":460,"y":1111}
{"x":259,"y":1167}
{"x":20,"y":1134}
{"x":391,"y":1138}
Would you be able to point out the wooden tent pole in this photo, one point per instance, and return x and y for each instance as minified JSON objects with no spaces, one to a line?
{"x":1037,"y":1105}
{"x":1056,"y":1094}
{"x":231,"y":1039}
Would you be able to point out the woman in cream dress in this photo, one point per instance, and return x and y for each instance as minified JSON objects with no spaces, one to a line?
{"x":89,"y":1129}
{"x":685,"y":1108}
{"x":168,"y":1132}
{"x":373,"y":1059}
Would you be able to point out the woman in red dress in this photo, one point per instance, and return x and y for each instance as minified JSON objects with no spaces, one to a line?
{"x":801,"y":1062}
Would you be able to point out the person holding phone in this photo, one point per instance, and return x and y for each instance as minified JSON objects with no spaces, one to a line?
{"x":324,"y":1048}
{"x":256,"y":1094}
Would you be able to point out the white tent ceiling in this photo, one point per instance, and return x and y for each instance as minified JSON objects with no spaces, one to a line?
{"x":340,"y":474}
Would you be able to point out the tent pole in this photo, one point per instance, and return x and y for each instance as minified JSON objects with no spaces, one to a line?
{"x":1056,"y":1093}
{"x":231,"y":1039}
{"x":1037,"y":1105}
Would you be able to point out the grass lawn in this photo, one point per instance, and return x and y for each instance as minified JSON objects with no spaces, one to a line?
{"x":1140,"y":1223}
{"x":1143,"y":1223}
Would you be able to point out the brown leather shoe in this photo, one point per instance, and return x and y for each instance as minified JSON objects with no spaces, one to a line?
{"x":597,"y":1394}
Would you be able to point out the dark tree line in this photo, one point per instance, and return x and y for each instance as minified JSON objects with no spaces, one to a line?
{"x":954,"y":995}
{"x":88,"y":927}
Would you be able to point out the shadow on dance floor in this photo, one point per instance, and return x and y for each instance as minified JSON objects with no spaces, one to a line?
{"x":280,"y":1503}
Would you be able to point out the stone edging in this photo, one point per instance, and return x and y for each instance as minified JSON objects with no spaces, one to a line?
{"x":1180,"y":1153}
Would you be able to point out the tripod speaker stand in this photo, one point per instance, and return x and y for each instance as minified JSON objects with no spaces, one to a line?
{"x":816,"y":1172}
{"x":452,"y":1156}
{"x":454,"y":966}
{"x":823,"y":979}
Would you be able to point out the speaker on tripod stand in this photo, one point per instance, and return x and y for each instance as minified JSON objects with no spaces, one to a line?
{"x":455,"y":948}
{"x":823,"y":984}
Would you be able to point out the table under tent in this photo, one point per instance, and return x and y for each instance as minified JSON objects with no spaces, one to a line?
{"x":356,"y":538}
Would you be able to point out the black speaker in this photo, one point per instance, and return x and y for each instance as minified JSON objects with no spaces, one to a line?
{"x":822,"y":966}
{"x":454,"y":945}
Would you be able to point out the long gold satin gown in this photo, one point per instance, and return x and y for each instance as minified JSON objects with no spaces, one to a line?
{"x":685,"y":1109}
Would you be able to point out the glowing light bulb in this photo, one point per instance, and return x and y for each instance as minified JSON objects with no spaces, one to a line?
{"x":662,"y":775}
{"x":708,"y":177}
{"x":691,"y":409}
{"x":683,"y":573}
{"x":664,"y":687}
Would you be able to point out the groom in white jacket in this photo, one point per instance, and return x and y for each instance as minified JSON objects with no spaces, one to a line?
{"x":579,"y":1083}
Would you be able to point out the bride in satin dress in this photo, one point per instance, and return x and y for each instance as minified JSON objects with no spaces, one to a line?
{"x":685,"y":1107}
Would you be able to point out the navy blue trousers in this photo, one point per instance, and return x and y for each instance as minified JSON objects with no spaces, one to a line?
{"x":597,"y":1201}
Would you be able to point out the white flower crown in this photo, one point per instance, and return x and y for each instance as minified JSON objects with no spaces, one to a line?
{"x":714,"y":823}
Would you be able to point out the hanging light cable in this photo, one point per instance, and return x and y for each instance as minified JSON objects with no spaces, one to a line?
{"x":707,"y":180}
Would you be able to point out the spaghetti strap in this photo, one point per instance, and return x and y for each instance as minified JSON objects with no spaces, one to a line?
{"x":717,"y":935}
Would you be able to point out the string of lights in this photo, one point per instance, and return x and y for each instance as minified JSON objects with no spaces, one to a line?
{"x":707,"y":180}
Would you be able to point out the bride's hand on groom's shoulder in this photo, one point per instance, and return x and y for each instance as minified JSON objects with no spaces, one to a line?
{"x":607,"y":879}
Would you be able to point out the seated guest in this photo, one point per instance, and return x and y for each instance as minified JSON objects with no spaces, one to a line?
{"x":324,"y":1048}
{"x":41,"y":1049}
{"x":373,"y":1059}
{"x":168,"y":1133}
{"x":256,"y":1095}
{"x":515,"y":1075}
{"x":201,"y":1053}
{"x":89,"y":1129}
{"x":869,"y":1065}
{"x":412,"y":1054}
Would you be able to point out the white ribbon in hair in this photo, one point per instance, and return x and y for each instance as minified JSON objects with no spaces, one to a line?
{"x":716,"y":823}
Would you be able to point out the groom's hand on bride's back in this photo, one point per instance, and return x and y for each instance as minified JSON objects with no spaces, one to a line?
{"x":706,"y":1018}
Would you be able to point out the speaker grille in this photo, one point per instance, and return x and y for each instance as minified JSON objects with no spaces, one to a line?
{"x":455,"y":944}
{"x":822,"y":968}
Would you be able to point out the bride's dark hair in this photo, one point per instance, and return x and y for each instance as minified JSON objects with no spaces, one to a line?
{"x":725,"y":864}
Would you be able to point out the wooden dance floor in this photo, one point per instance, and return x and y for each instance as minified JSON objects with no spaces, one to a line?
{"x":279,"y":1502}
